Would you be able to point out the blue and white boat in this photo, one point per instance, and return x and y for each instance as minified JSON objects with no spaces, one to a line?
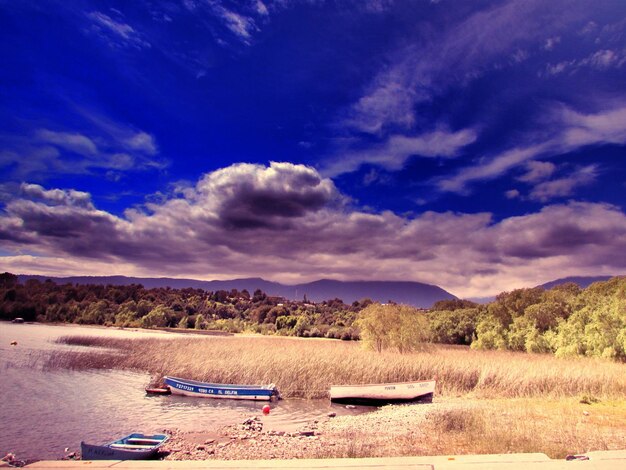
{"x":192,"y":388}
{"x":135,"y":446}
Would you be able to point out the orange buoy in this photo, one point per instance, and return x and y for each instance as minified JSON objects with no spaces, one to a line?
{"x":266,"y":409}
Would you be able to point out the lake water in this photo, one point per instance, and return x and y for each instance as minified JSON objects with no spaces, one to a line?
{"x":44,"y":412}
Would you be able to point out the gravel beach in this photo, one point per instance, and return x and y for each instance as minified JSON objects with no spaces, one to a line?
{"x":328,"y":437}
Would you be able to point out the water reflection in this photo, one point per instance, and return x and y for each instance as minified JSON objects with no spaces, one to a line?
{"x":43,"y":412}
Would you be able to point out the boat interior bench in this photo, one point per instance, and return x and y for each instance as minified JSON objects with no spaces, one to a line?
{"x":143,"y":440}
{"x":131,"y":446}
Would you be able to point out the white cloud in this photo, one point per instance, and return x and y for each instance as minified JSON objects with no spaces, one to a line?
{"x":492,"y":169}
{"x":603,"y":59}
{"x":574,"y":131}
{"x":417,"y":73}
{"x":520,"y":55}
{"x":107,"y":145}
{"x":57,"y":196}
{"x":261,"y":8}
{"x":144,"y":142}
{"x":556,"y":69}
{"x":286,"y":222}
{"x":396,"y":150}
{"x":73,"y":142}
{"x":551,"y":42}
{"x":240,"y":25}
{"x":590,"y":27}
{"x":606,"y":127}
{"x":115,"y":32}
{"x":512,"y":194}
{"x":564,"y":187}
{"x":600,"y":60}
{"x":391,"y":100}
{"x":537,"y":171}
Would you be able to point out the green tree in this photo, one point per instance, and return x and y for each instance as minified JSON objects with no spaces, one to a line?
{"x":184,"y":322}
{"x":453,"y":326}
{"x":393,"y":326}
{"x":412,"y":329}
{"x":375,"y":322}
{"x":95,"y":313}
{"x":157,"y":318}
{"x":302,"y":325}
{"x":126,"y":316}
{"x":200,"y":322}
{"x":491,"y":334}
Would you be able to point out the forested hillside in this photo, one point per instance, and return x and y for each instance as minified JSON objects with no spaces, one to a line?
{"x":135,"y":306}
{"x":565,"y":320}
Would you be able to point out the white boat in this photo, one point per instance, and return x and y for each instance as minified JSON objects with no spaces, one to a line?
{"x":382,"y":394}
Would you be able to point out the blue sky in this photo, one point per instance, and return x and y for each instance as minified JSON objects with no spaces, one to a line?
{"x":477,"y":145}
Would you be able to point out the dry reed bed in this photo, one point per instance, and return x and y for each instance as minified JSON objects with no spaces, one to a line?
{"x":307,"y":368}
{"x":452,"y":426}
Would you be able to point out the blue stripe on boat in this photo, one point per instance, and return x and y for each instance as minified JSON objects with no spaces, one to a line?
{"x":193,"y":387}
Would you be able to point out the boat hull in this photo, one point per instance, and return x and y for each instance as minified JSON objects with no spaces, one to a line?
{"x":132,"y":447}
{"x":192,"y":388}
{"x":383,"y":394}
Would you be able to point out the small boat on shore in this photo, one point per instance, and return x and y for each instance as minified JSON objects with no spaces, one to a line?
{"x":135,"y":446}
{"x":193,"y":388}
{"x":383,"y":394}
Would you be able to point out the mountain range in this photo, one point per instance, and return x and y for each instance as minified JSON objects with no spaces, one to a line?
{"x":411,"y":293}
{"x":582,"y":281}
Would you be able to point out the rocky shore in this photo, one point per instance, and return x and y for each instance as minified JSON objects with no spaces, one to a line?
{"x":329,"y":437}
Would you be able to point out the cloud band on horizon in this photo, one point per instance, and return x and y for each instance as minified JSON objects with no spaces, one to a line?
{"x":287,"y":223}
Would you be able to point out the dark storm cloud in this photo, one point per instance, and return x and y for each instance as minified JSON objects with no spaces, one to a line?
{"x":585,"y":230}
{"x":251,"y":196}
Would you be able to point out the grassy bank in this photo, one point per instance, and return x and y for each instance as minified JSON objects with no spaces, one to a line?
{"x":556,"y":427}
{"x":307,"y":368}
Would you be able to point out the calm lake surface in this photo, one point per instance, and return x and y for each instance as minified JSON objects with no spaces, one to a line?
{"x":44,"y":412}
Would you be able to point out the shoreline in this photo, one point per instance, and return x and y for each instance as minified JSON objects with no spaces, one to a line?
{"x":461,"y":425}
{"x":448,"y":426}
{"x":327,"y":437}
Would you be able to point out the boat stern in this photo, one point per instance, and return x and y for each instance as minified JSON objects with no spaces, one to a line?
{"x":275,"y":393}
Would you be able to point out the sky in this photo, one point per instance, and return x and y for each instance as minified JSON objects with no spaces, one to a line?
{"x":476,"y":145}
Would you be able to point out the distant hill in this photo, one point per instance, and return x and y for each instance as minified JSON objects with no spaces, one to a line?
{"x":412,"y":293}
{"x":582,"y":281}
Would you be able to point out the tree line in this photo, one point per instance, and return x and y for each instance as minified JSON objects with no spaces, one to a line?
{"x":565,"y":320}
{"x":134,"y":306}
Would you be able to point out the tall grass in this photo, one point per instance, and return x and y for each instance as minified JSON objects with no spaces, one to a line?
{"x":556,"y":427}
{"x":307,"y":368}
